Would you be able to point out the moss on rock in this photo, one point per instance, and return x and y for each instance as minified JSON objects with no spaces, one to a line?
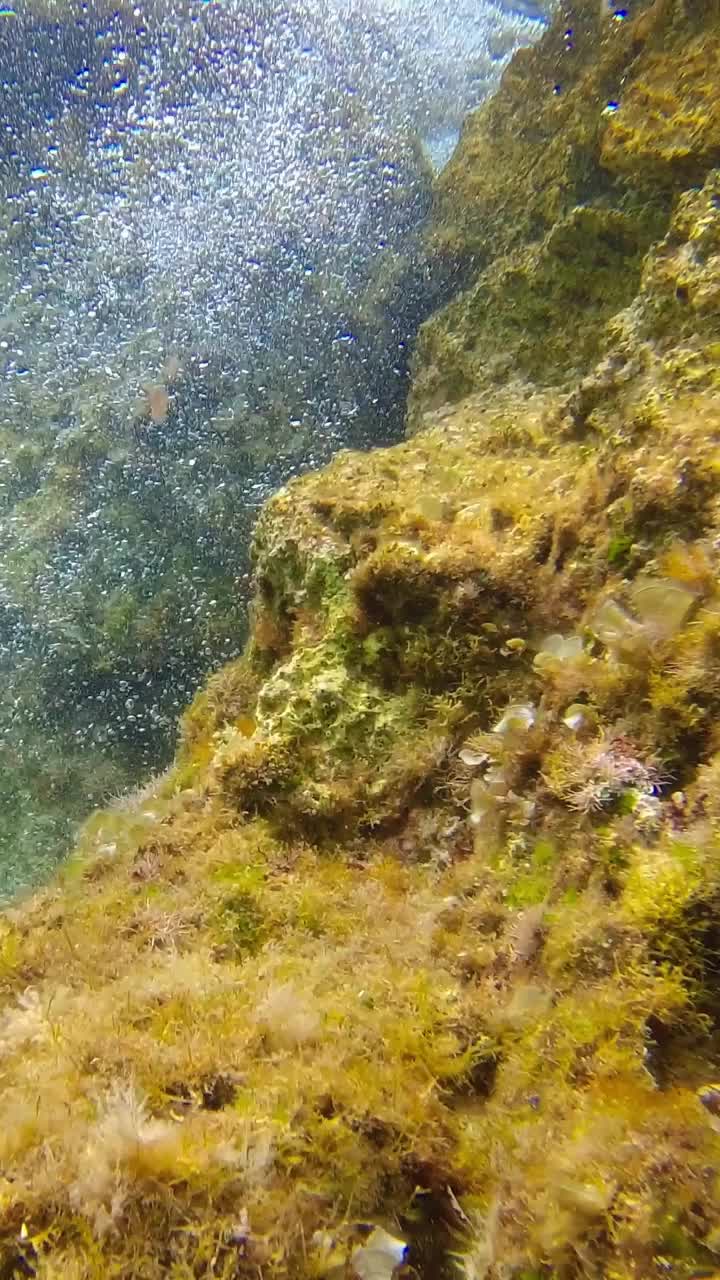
{"x":398,"y":940}
{"x":553,"y":197}
{"x":667,"y":132}
{"x":416,"y":943}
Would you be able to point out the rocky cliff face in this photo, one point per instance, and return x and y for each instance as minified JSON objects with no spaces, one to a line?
{"x":143,"y":421}
{"x":409,"y":964}
{"x":556,"y":193}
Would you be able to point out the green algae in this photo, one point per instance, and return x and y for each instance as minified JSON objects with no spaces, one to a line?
{"x":417,"y":999}
{"x":298,"y":988}
{"x":558,"y":248}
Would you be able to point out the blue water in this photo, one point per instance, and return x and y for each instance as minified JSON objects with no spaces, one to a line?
{"x":213,"y":270}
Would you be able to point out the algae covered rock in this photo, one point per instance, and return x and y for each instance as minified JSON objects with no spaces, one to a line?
{"x":153,"y":397}
{"x":667,"y":340}
{"x":408,"y":964}
{"x":405,"y":593}
{"x":418,"y":935}
{"x":586,"y":269}
{"x":553,"y":197}
{"x":667,"y":133}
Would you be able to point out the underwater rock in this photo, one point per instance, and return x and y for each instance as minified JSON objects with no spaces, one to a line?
{"x":433,"y":884}
{"x":666,"y":132}
{"x":585,"y":269}
{"x":132,"y":476}
{"x":420,"y":1013}
{"x":552,"y":198}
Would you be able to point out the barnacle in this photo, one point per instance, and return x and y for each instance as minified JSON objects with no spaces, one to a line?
{"x":662,"y":605}
{"x":488,"y":796}
{"x":615,"y":627}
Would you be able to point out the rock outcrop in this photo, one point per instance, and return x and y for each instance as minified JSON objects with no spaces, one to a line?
{"x":409,"y":963}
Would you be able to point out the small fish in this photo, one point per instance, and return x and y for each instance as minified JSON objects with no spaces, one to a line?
{"x":158,"y":402}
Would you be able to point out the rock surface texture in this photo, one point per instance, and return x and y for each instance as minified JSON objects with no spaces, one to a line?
{"x":409,"y":965}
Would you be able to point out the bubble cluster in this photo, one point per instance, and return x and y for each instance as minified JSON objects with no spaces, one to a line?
{"x":212,"y":270}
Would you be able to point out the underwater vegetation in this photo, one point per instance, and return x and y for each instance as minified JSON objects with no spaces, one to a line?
{"x":212,"y":276}
{"x":407,"y":965}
